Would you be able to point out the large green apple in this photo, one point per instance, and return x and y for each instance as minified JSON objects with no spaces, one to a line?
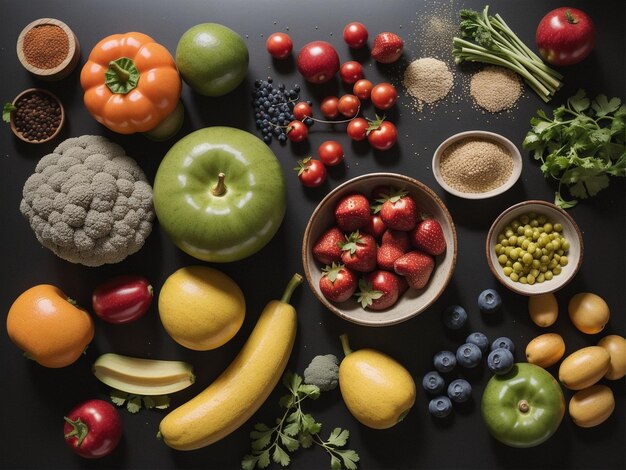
{"x":523,"y":407}
{"x":212,"y":59}
{"x":220,"y":194}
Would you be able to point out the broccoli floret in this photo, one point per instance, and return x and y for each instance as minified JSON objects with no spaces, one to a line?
{"x":89,"y":202}
{"x":323,"y":371}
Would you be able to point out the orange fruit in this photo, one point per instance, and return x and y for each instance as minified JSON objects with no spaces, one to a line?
{"x":47,"y":325}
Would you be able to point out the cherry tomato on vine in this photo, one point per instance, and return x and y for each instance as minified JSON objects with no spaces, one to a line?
{"x":384,"y":95}
{"x":362,"y":89}
{"x":330,"y":153}
{"x":383,"y":134}
{"x":93,"y":429}
{"x":302,"y":110}
{"x":329,"y":107}
{"x":349,"y":105}
{"x":355,"y":35}
{"x":357,"y":129}
{"x":297,"y":131}
{"x":311,"y":172}
{"x":279,"y":45}
{"x":351,"y":71}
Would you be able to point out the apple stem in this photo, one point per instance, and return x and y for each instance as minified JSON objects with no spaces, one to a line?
{"x":523,"y":406}
{"x":345,"y":344}
{"x":570,"y":17}
{"x":220,"y":188}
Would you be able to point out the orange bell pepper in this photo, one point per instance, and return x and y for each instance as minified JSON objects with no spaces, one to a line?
{"x":131,"y":83}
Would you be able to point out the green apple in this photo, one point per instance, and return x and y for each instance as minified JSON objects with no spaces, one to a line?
{"x":212,"y":59}
{"x":220,"y":194}
{"x":523,"y":407}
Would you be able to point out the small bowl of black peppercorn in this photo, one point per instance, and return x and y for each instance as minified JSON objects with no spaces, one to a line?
{"x":36,"y":116}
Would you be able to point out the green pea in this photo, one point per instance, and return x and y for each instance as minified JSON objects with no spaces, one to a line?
{"x":558,"y":227}
{"x":542,"y":219}
{"x":517,"y":267}
{"x":502,"y":259}
{"x":563,"y":261}
{"x":527,"y":258}
{"x":548,"y":275}
{"x":507,"y":271}
{"x":514,"y":276}
{"x":547,"y":227}
{"x":557,"y":270}
{"x":524,"y":219}
{"x":540,"y":278}
{"x":530,"y":279}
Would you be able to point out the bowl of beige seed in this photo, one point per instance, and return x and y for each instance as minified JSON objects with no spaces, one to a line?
{"x":477,"y":164}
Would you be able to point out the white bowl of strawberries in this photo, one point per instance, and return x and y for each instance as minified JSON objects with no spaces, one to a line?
{"x":379,"y":249}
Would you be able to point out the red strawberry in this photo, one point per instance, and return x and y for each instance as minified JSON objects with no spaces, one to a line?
{"x":379,"y":290}
{"x":428,"y":236}
{"x":386,"y":255}
{"x":375,"y":227}
{"x":338,"y":283}
{"x":399,"y":211}
{"x":359,"y":252}
{"x":416,"y":267}
{"x":387,"y":48}
{"x":327,"y":249}
{"x":398,"y":238}
{"x":352,"y":212}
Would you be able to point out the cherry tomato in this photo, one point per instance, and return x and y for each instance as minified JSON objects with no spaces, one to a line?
{"x":122,"y":299}
{"x":349,"y":105}
{"x":357,"y":129}
{"x":355,"y":35}
{"x":302,"y":110}
{"x":329,"y":107}
{"x":384,"y":136}
{"x":279,"y":45}
{"x":330,"y":153}
{"x":565,"y":36}
{"x":93,"y":429}
{"x":362,"y":89}
{"x":297,"y":131}
{"x":312,"y":173}
{"x":351,"y":71}
{"x":384,"y":95}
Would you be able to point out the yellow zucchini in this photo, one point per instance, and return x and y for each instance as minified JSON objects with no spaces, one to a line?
{"x":243,"y":387}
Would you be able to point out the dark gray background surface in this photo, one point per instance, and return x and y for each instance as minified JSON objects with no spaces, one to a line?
{"x":34,"y":399}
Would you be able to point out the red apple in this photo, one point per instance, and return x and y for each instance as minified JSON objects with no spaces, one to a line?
{"x":565,"y":36}
{"x":318,"y":62}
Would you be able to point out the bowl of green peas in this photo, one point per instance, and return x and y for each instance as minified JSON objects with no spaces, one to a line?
{"x":534,"y":247}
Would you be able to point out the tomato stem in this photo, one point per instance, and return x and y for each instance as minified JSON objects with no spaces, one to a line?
{"x":220,"y":188}
{"x":570,"y":18}
{"x":79,"y":430}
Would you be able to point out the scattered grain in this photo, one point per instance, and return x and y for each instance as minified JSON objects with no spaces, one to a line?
{"x":476,"y":165}
{"x":428,"y":80}
{"x":495,"y":88}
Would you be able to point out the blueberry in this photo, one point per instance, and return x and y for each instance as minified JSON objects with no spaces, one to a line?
{"x":440,"y":407}
{"x":480,"y":340}
{"x":489,"y":301}
{"x":500,"y":361}
{"x":433,"y":382}
{"x":468,"y":355}
{"x":454,"y":317}
{"x":459,"y":390}
{"x":503,"y":342}
{"x":308,"y":121}
{"x":444,"y":361}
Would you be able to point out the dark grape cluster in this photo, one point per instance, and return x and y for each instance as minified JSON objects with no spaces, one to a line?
{"x":273,"y":108}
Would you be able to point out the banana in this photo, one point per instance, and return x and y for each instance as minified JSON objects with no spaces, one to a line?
{"x":143,"y":376}
{"x":244,"y":385}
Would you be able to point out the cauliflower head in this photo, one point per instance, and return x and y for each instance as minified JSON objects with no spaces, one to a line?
{"x":89,"y":202}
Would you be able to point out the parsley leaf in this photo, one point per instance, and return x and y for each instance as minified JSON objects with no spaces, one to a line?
{"x":134,"y":403}
{"x":580,"y":146}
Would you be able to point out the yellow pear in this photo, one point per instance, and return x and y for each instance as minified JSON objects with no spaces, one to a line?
{"x":378,"y":390}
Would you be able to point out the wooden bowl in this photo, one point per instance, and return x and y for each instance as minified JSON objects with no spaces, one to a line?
{"x":413,"y":302}
{"x":18,"y":134}
{"x":554,"y":214}
{"x":65,"y":67}
{"x":484,"y":135}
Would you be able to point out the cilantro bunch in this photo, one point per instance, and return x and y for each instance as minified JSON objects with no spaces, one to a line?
{"x":295,"y":429}
{"x":581,"y":145}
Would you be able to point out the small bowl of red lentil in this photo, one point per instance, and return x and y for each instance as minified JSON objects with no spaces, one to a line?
{"x":36,"y":116}
{"x":534,"y":247}
{"x":477,"y":164}
{"x":48,"y":49}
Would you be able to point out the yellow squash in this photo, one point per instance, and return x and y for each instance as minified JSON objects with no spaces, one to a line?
{"x":243,"y":387}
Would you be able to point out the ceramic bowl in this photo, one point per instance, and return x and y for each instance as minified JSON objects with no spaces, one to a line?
{"x":413,"y":302}
{"x":30,"y":91}
{"x":554,"y":215}
{"x":65,"y":67}
{"x":490,"y":136}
